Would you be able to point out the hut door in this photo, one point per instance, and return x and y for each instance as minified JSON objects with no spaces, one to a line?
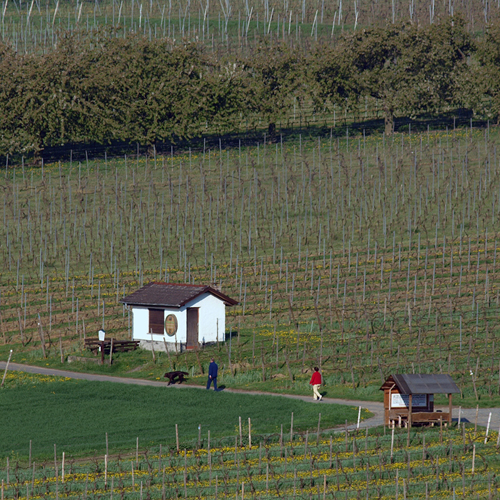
{"x":192,"y":328}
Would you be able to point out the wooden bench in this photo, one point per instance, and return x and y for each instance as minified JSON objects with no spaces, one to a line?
{"x":430,"y":417}
{"x":176,"y":376}
{"x":96,"y":345}
{"x":400,"y":417}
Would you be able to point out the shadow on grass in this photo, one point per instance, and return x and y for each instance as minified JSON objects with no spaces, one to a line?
{"x":231,"y":334}
{"x":89,"y":152}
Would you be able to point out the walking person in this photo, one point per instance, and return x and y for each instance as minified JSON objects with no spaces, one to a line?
{"x":212,"y":374}
{"x":316,"y":382}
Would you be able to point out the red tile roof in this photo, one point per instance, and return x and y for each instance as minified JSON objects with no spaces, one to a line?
{"x":172,"y":295}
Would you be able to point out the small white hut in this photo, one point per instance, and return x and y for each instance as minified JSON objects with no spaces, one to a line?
{"x":177,"y":315}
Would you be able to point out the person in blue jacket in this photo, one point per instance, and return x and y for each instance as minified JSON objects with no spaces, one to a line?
{"x":212,"y":374}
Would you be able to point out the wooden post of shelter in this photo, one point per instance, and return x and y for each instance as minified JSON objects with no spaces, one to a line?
{"x":410,"y":402}
{"x":450,"y":407}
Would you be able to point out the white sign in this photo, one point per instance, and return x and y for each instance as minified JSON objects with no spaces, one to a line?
{"x":403,"y":400}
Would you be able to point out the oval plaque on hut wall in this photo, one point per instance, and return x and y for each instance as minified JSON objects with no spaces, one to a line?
{"x":171,"y":324}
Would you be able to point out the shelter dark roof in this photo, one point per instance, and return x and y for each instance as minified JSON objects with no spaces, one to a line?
{"x":422,"y":383}
{"x":172,"y":295}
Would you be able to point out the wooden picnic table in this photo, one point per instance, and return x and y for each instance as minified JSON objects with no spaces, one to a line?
{"x":109,"y":346}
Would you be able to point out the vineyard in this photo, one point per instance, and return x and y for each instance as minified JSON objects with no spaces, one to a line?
{"x":459,"y":462}
{"x":332,"y":166}
{"x":364,"y":254}
{"x":32,"y":26}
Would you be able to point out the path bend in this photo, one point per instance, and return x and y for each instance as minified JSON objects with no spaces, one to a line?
{"x":377,"y":409}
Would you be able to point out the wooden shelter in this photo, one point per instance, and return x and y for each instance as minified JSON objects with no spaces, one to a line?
{"x":409,"y":398}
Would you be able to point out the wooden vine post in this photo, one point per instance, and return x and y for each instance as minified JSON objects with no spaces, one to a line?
{"x":6,"y":368}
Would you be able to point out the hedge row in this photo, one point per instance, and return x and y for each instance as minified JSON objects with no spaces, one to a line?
{"x":104,"y":87}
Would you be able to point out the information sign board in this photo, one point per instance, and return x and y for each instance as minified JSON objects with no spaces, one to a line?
{"x":403,"y":400}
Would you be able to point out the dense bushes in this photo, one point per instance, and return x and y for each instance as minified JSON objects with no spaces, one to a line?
{"x":105,"y":87}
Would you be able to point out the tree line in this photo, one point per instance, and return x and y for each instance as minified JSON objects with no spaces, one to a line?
{"x":103,"y":87}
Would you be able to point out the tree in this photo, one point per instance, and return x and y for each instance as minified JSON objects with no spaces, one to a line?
{"x":488,"y":73}
{"x":274,"y":77}
{"x":97,"y":87}
{"x":410,"y":69}
{"x":51,"y":104}
{"x":12,"y":68}
{"x":330,"y":74}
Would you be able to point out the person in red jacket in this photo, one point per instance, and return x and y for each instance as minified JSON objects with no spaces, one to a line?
{"x":316,"y":382}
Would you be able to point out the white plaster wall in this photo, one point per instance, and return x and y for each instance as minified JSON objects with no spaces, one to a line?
{"x":140,"y":322}
{"x":211,"y":319}
{"x":141,"y":325}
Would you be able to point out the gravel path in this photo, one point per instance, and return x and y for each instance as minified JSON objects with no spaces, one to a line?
{"x":468,"y":414}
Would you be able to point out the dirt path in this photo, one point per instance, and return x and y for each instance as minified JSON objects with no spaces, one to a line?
{"x":377,"y":409}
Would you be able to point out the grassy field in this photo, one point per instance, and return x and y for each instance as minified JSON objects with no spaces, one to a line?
{"x":425,"y":463}
{"x":76,"y":415}
{"x":365,"y":255}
